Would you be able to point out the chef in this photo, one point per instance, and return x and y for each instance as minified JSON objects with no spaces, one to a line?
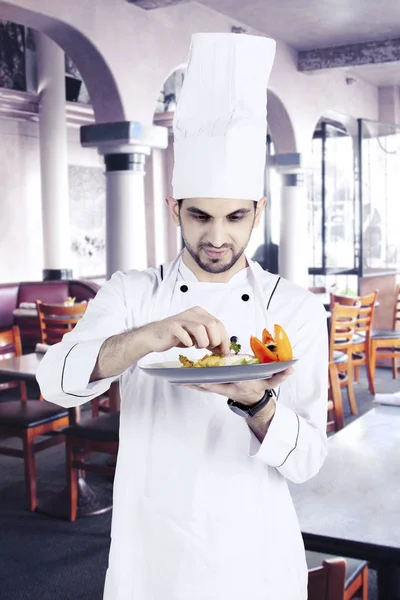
{"x":202,"y":509}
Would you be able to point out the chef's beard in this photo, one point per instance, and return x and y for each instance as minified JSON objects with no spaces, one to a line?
{"x":214,"y":265}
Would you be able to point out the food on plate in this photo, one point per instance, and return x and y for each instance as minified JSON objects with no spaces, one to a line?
{"x":271,"y":349}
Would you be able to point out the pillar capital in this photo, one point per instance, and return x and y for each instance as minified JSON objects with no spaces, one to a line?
{"x":124,"y":137}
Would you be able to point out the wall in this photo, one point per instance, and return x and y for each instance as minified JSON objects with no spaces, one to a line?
{"x":20,"y":197}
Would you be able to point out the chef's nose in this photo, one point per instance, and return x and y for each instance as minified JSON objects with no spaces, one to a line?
{"x":217,"y":233}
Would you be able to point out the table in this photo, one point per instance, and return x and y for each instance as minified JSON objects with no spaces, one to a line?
{"x":91,"y":499}
{"x":352,"y":507}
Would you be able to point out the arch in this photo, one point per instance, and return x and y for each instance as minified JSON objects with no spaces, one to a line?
{"x":168,"y":82}
{"x":280,"y":125}
{"x":106,"y":99}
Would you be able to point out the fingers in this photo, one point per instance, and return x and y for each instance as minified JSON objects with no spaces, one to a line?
{"x":183,"y":338}
{"x":207,"y":333}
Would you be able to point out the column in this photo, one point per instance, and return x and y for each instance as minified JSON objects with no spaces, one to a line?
{"x":157,"y":216}
{"x":389,"y":104}
{"x":125,"y":212}
{"x":57,"y":258}
{"x":125,"y":146}
{"x":294,"y":242}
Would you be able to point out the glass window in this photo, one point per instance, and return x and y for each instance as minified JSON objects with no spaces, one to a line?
{"x":332,"y":215}
{"x":379,"y":196}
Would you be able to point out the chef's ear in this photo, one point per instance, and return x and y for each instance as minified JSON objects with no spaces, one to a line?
{"x":259,"y":210}
{"x":173,"y":206}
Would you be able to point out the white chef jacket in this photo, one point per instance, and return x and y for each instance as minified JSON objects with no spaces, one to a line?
{"x":202,"y":510}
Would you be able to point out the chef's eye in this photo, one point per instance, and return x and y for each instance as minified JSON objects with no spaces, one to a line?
{"x":235,"y":218}
{"x":201,"y":218}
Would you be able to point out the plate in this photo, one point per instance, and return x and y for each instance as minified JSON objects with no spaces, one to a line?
{"x":175,"y":373}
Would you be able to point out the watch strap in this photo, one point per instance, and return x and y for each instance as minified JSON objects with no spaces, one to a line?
{"x":249,"y":411}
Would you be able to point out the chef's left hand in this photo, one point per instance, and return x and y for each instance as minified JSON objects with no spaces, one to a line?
{"x":245,"y":392}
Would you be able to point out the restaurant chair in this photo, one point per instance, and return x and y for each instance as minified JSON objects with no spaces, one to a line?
{"x":99,"y":435}
{"x":385,"y":343}
{"x":343,"y":323}
{"x":354,"y":585}
{"x":361,"y":347}
{"x":27,"y":420}
{"x":335,"y":404}
{"x":327,"y":581}
{"x":55,"y":320}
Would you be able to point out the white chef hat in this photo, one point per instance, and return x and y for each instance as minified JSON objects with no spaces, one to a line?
{"x":220,"y":124}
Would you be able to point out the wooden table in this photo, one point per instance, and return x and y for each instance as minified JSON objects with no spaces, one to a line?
{"x":91,"y":499}
{"x":352,"y":507}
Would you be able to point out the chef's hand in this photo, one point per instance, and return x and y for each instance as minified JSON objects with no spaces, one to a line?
{"x":194,"y":327}
{"x":245,"y":392}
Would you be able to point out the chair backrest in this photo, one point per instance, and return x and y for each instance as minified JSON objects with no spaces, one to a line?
{"x":396,"y":319}
{"x":366,"y":313}
{"x":335,"y":420}
{"x":318,"y":289}
{"x":343,"y":325}
{"x":343,"y":300}
{"x":10,"y":346}
{"x":328,"y":581}
{"x":10,"y":343}
{"x":366,"y":306}
{"x":57,"y":320}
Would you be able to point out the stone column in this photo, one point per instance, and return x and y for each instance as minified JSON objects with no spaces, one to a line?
{"x":294,"y":243}
{"x":53,"y":160}
{"x":125,"y":146}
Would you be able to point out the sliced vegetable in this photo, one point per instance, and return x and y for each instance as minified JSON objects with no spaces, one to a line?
{"x":267,"y":338}
{"x":284,"y":347}
{"x":261,"y":352}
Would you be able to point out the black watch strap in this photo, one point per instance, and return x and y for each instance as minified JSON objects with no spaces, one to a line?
{"x":246,"y":411}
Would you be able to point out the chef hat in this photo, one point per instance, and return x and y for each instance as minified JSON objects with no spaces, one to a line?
{"x":220,"y":124}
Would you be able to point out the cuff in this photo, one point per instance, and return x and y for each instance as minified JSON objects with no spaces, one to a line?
{"x":281,"y":439}
{"x":77,"y":369}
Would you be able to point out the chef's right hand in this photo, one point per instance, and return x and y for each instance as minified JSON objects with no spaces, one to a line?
{"x":194,"y":327}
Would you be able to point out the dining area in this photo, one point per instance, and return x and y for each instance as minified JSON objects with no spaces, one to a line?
{"x":346,"y":512}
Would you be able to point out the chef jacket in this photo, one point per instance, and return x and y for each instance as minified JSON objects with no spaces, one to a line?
{"x":202,"y":509}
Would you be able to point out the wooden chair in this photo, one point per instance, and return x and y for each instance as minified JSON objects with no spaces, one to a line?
{"x":327,"y":581}
{"x":57,"y":320}
{"x":361,"y":347}
{"x":99,"y":435}
{"x":356,"y":575}
{"x":343,"y":323}
{"x":335,"y":404}
{"x":8,"y":350}
{"x":27,"y":420}
{"x":386,"y":343}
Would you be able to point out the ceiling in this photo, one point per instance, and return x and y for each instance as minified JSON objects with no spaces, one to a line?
{"x":310,"y":24}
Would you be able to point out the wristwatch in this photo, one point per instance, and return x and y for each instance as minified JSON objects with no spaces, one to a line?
{"x":246,"y":411}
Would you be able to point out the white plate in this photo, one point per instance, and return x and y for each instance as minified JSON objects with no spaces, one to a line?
{"x":175,"y":373}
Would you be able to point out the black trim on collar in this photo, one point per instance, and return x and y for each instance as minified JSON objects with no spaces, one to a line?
{"x":273,"y":292}
{"x":162,"y":272}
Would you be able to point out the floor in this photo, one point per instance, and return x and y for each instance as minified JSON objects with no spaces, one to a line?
{"x":48,"y":559}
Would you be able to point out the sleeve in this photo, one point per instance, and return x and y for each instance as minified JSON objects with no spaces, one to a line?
{"x":296,"y":441}
{"x":64,"y":371}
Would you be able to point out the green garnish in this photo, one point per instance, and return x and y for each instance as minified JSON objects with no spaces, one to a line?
{"x":235,"y":347}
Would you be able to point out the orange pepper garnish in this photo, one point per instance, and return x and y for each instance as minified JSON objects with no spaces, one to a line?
{"x":267,"y":337}
{"x":261,"y":352}
{"x":284,"y":347}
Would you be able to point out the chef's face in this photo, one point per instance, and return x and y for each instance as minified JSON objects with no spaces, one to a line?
{"x":216,"y":232}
